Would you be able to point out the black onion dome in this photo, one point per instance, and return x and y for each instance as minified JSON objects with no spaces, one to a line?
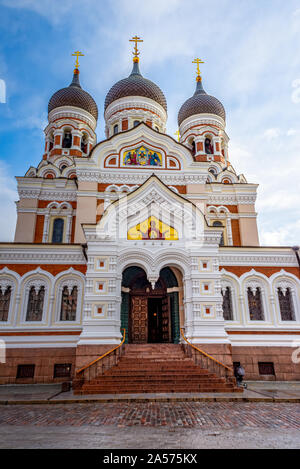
{"x":201,"y":103}
{"x":135,"y":85}
{"x":75,"y":96}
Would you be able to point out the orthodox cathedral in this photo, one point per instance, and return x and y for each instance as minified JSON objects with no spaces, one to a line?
{"x":142,"y":247}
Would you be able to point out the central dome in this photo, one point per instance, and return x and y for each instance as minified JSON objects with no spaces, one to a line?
{"x":135,"y":85}
{"x":201,"y":103}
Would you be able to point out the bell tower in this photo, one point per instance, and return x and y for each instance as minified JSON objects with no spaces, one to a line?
{"x":72,"y":116}
{"x":201,"y":121}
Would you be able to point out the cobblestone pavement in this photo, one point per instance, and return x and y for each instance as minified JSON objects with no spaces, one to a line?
{"x":151,"y":425}
{"x":155,"y":414}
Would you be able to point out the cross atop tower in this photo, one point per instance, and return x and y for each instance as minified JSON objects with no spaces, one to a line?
{"x":136,"y":53}
{"x":198,"y":62}
{"x":77,"y":54}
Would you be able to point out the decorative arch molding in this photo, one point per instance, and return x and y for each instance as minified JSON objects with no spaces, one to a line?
{"x":69,"y":172}
{"x":69,"y":278}
{"x":232,"y":281}
{"x":142,"y":134}
{"x":173,"y":163}
{"x":50,"y":168}
{"x":215,"y":168}
{"x":153,"y":196}
{"x":153,"y":264}
{"x":36,"y":278}
{"x":254,"y":280}
{"x":32,"y":172}
{"x":131,"y":258}
{"x":222,"y":214}
{"x":232,"y":177}
{"x":112,"y":161}
{"x":56,"y":210}
{"x":9,"y":278}
{"x":285,"y":280}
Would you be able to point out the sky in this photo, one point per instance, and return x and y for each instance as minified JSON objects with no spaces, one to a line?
{"x":252,"y":65}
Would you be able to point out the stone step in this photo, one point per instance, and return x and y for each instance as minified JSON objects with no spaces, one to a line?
{"x":159,"y":389}
{"x":158,"y":379}
{"x":156,"y":368}
{"x":147,"y":374}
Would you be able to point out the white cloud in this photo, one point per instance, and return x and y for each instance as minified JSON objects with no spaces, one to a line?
{"x":295,"y":97}
{"x":270,"y":134}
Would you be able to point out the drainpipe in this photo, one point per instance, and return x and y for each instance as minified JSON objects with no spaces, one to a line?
{"x":296,"y":251}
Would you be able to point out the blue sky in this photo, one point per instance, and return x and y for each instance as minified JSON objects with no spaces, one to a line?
{"x":252,"y":64}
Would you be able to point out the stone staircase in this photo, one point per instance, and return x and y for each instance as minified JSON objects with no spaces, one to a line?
{"x":156,"y":368}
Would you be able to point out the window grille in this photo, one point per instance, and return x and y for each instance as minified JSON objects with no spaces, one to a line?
{"x":62,"y":370}
{"x":286,"y":305}
{"x":25,"y":371}
{"x":266,"y":368}
{"x":227,"y":304}
{"x":5,"y":296}
{"x":255,"y":305}
{"x":68,"y":304}
{"x":35,"y":304}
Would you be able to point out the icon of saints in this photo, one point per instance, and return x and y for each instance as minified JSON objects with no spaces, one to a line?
{"x":154,"y":159}
{"x":128,"y":159}
{"x":154,"y":232}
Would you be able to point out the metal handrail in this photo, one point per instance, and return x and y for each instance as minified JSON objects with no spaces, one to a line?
{"x":206,"y":354}
{"x":103,"y":356}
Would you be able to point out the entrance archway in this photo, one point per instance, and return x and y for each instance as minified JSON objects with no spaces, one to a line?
{"x":150,"y":315}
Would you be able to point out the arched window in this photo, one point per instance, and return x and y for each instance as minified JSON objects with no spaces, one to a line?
{"x":67,"y":139}
{"x":227,"y":304}
{"x":209,"y":150}
{"x":136,"y":123}
{"x":286,"y":304}
{"x":222,"y":147}
{"x":193,"y":148}
{"x":116,"y":129}
{"x":58,"y":230}
{"x":35,"y":304}
{"x":220,"y":224}
{"x":84,"y":143}
{"x":255,"y":304}
{"x":49,"y":175}
{"x":51,"y":141}
{"x":156,"y":128}
{"x":68,"y":304}
{"x":5,"y":295}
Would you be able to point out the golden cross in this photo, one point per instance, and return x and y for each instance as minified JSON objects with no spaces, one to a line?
{"x":136,"y":53}
{"x":198,"y":62}
{"x":178,"y":135}
{"x":77,"y":54}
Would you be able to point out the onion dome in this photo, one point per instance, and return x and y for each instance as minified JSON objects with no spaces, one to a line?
{"x":74,"y":96}
{"x":135,"y":85}
{"x":201,"y":103}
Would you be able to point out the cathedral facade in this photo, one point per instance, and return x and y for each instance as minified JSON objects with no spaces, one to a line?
{"x":145,"y":234}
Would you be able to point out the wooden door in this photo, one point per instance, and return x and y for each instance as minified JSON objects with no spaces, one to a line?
{"x":139,"y":320}
{"x":166,"y":332}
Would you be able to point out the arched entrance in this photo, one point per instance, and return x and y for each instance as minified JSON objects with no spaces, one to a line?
{"x":150,"y":315}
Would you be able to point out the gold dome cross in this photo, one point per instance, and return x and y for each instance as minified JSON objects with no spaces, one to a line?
{"x":136,"y":53}
{"x":77,"y":54}
{"x":198,"y":62}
